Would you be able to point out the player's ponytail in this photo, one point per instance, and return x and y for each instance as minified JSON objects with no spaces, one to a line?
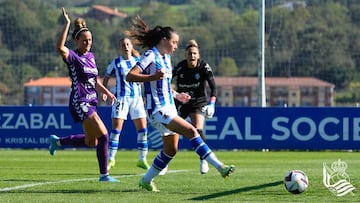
{"x":80,"y":26}
{"x":142,"y":35}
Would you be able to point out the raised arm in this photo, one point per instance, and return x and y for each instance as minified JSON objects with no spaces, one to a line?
{"x":60,"y":45}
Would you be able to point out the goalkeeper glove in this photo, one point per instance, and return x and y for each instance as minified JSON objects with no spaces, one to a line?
{"x":210,"y":109}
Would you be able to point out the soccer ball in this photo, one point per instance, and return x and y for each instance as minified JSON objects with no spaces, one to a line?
{"x":296,"y":181}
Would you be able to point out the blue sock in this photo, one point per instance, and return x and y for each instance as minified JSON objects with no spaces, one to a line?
{"x":161,"y":160}
{"x":200,"y":147}
{"x":159,"y":163}
{"x":142,"y":143}
{"x":114,"y":143}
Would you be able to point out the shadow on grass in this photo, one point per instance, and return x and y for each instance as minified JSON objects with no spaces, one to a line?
{"x":240,"y":190}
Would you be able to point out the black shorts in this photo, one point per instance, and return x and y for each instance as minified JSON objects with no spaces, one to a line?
{"x":184,"y":110}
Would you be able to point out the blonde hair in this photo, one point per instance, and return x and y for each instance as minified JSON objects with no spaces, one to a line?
{"x":80,"y":26}
{"x":192,"y":43}
{"x":134,"y":52}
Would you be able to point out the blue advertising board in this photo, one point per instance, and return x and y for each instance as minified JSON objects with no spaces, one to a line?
{"x":230,"y":128}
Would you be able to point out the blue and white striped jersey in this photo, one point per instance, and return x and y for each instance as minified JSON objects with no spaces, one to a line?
{"x":158,"y":93}
{"x":120,"y":67}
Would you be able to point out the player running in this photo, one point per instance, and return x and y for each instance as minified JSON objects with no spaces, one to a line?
{"x":155,"y":70}
{"x":190,"y":76}
{"x":83,"y":98}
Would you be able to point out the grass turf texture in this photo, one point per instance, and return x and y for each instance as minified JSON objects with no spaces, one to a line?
{"x":72,"y":176}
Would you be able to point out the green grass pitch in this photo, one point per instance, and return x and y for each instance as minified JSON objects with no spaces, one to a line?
{"x":72,"y":176}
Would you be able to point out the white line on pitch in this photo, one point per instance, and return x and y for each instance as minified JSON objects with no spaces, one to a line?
{"x":72,"y":180}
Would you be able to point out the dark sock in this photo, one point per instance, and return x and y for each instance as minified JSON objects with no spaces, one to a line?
{"x":102,"y":153}
{"x":202,"y":135}
{"x":73,"y":140}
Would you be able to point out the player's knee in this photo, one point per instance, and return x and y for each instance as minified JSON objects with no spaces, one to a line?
{"x":194,"y":131}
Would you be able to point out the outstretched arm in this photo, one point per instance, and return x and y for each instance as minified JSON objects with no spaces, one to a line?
{"x":181,"y":97}
{"x":135,"y":75}
{"x":60,"y":45}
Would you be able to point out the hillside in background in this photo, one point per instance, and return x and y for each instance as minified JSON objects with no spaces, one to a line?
{"x":318,"y":38}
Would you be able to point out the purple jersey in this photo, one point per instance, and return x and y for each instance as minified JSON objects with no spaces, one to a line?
{"x":83,"y":74}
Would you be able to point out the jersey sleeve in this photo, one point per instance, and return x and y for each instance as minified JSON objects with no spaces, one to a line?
{"x":210,"y":79}
{"x":146,"y":60}
{"x":71,"y":58}
{"x":110,"y":70}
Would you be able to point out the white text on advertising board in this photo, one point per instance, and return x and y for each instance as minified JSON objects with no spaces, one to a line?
{"x":33,"y":121}
{"x":283,"y":128}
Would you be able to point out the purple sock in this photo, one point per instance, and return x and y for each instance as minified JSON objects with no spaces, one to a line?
{"x":73,"y":140}
{"x":102,"y":153}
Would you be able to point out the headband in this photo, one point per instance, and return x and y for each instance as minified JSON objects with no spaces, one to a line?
{"x":78,"y":32}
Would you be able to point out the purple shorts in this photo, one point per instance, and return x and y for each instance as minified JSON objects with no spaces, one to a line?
{"x":81,"y":110}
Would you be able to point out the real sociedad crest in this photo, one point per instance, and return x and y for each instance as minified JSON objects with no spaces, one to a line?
{"x":336,"y":179}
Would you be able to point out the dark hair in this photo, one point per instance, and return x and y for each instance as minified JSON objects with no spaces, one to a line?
{"x":80,"y":26}
{"x":146,"y":38}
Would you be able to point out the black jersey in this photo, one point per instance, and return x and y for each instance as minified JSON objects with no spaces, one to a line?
{"x":193,"y":81}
